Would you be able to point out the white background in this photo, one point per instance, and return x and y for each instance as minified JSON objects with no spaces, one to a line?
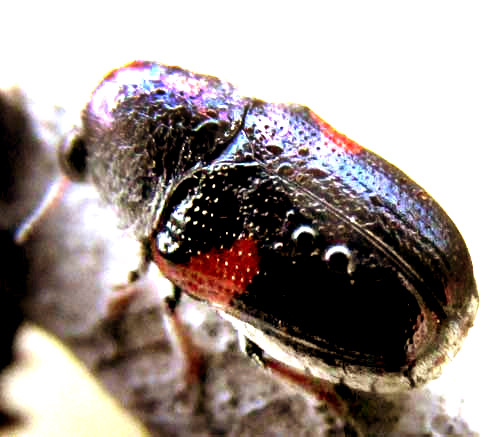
{"x":417,"y":82}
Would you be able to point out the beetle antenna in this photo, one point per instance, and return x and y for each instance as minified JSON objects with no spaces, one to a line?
{"x":53,"y":195}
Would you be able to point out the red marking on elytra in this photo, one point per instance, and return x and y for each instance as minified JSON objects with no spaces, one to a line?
{"x":217,"y":275}
{"x":338,"y":139}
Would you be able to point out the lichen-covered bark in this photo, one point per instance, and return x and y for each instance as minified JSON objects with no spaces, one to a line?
{"x":77,"y":254}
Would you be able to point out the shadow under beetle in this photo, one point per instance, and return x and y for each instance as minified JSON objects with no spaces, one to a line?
{"x":319,"y":251}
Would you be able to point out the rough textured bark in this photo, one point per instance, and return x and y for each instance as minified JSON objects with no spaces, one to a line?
{"x":77,"y":254}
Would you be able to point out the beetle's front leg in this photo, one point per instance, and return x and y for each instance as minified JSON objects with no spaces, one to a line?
{"x":250,"y":349}
{"x":193,"y":356}
{"x":172,"y":300}
{"x":124,"y":294}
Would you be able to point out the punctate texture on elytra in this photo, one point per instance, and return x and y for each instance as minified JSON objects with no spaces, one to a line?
{"x":321,"y":252}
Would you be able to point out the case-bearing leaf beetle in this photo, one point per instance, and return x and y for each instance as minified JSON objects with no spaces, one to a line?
{"x":320,"y":252}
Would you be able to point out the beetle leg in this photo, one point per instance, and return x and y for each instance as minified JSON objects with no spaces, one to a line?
{"x":193,"y":356}
{"x":321,"y":390}
{"x":145,"y":259}
{"x":172,"y":300}
{"x":250,"y":349}
{"x":124,"y":294}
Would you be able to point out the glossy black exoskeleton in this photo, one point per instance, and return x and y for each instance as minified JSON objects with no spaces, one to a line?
{"x":319,"y":251}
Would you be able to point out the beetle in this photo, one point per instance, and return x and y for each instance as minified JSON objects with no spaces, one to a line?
{"x":320,"y":252}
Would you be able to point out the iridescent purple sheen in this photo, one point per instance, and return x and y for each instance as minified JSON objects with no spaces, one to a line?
{"x":200,"y":93}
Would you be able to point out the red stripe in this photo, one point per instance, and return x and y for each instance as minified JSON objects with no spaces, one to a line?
{"x":217,"y":275}
{"x":335,"y":137}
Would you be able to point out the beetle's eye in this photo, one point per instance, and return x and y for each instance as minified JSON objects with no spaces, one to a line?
{"x":339,"y":259}
{"x":72,"y":156}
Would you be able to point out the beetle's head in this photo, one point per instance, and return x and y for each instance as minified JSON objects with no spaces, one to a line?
{"x":145,"y":126}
